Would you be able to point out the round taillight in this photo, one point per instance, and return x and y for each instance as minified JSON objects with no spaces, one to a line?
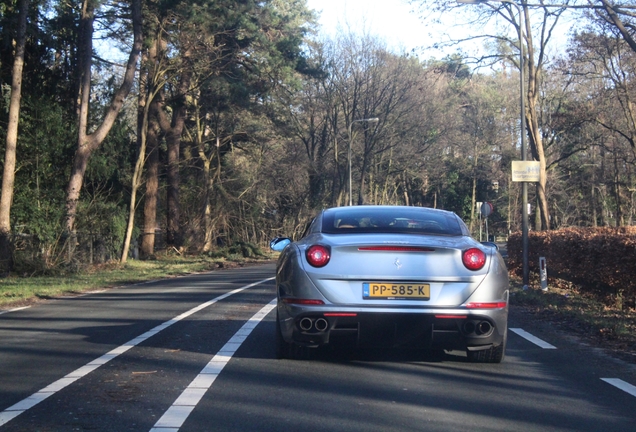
{"x":318,"y":255}
{"x":474,"y":259}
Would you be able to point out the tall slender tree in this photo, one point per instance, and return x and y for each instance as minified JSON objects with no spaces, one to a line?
{"x":88,"y":142}
{"x":8,"y":176}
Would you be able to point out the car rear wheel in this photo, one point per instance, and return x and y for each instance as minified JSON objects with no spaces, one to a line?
{"x":493,"y":354}
{"x":286,"y":350}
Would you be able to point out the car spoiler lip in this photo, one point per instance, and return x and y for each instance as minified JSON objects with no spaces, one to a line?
{"x":396,"y":248}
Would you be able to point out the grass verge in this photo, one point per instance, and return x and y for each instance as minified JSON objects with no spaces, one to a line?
{"x":18,"y":291}
{"x":596,"y":320}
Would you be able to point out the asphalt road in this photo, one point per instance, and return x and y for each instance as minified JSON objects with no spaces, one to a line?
{"x":196,"y":354}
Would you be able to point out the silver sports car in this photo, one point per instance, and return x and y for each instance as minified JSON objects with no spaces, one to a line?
{"x":391,"y":276}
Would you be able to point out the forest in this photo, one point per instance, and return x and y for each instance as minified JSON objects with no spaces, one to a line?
{"x":132,"y":127}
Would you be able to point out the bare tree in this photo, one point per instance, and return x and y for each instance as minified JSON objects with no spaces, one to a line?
{"x":603,"y":64}
{"x":538,"y":25}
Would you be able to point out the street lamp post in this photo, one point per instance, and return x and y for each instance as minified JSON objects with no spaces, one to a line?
{"x":368,"y":120}
{"x":524,"y":155}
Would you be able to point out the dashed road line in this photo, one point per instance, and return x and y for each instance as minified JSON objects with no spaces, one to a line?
{"x":37,"y":397}
{"x":535,"y":340}
{"x":619,"y":383}
{"x":14,"y":310}
{"x":616,"y":382}
{"x":180,"y":410}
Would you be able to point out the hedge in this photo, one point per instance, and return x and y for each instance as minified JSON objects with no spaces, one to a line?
{"x":598,"y":259}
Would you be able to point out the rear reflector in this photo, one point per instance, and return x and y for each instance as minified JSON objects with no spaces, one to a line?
{"x":492,"y":305}
{"x":303,"y":301}
{"x":396,"y":248}
{"x":340,"y":314}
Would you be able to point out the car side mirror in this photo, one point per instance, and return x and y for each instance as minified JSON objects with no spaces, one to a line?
{"x":279,"y":243}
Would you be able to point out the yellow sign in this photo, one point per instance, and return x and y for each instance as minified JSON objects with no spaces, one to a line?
{"x":525,"y":171}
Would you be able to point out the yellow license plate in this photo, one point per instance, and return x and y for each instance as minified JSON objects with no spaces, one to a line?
{"x":391,"y":290}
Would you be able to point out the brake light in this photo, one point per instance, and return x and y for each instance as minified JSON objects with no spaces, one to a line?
{"x":311,"y":302}
{"x":318,"y":255}
{"x":474,"y":259}
{"x":486,"y":305}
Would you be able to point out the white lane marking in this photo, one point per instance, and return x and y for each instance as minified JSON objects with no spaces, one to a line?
{"x":535,"y":340}
{"x":14,"y":310}
{"x":177,"y":414}
{"x":619,"y":383}
{"x":37,"y":397}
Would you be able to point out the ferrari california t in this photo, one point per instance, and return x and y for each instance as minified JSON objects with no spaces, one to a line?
{"x":390,"y":276}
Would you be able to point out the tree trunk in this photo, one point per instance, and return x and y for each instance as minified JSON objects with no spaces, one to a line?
{"x":173,"y":130}
{"x":532,"y":121}
{"x":148,"y":131}
{"x":173,"y":226}
{"x":617,"y":191}
{"x":473,"y":203}
{"x":136,"y":181}
{"x":152,"y":87}
{"x":337,"y":190}
{"x":8,"y":176}
{"x":384,"y":197}
{"x":407,"y":200}
{"x":152,"y":184}
{"x":208,"y":179}
{"x":208,"y":235}
{"x":363,"y":172}
{"x":473,"y":199}
{"x":88,"y":143}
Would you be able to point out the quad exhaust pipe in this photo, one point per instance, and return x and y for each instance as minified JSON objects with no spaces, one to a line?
{"x":319,"y":324}
{"x":483,"y":328}
{"x":468,"y":327}
{"x":306,"y":324}
{"x":480,"y":328}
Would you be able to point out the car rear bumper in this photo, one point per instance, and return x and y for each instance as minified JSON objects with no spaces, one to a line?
{"x":441,"y":328}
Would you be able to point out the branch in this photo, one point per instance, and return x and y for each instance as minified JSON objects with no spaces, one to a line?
{"x":616,"y":20}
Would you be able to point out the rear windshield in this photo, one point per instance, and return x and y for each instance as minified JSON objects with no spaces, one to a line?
{"x":413,"y":220}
